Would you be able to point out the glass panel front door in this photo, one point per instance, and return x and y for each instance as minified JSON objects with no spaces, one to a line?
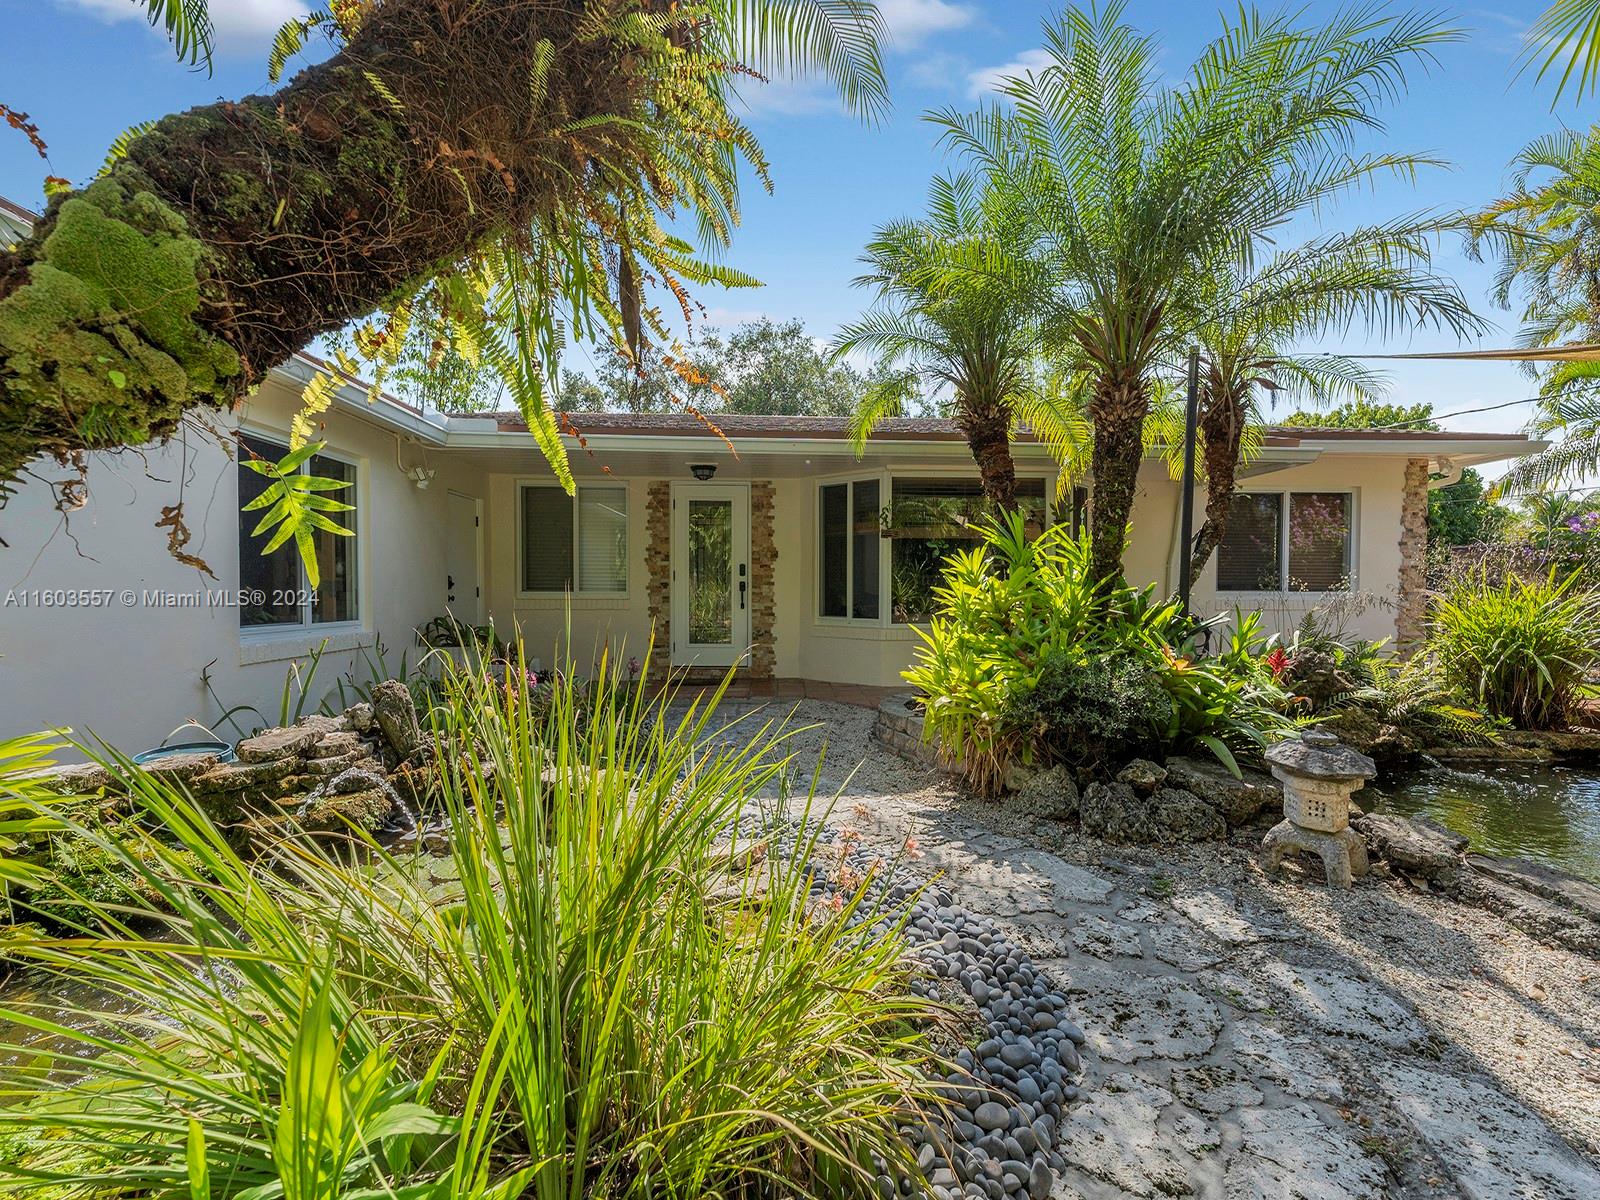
{"x":711,"y":572}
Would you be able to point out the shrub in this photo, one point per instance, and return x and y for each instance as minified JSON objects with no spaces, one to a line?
{"x":575,"y":1002}
{"x":1015,"y":614}
{"x":1520,"y":648}
{"x":1081,"y":712}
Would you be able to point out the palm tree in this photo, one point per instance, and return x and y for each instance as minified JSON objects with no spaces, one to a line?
{"x":1546,"y":234}
{"x":1567,"y":37}
{"x":939,"y":322}
{"x":1125,"y":186}
{"x":1247,"y":323}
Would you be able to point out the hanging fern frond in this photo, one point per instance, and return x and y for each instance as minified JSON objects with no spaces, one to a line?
{"x":188,"y":25}
{"x":119,"y":145}
{"x":297,"y":504}
{"x":290,"y":40}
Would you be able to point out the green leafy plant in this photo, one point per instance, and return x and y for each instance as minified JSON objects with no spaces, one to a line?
{"x":1019,"y":613}
{"x":598,"y":991}
{"x":296,"y":503}
{"x":1521,"y":648}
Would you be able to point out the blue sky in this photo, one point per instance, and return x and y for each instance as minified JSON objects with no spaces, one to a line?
{"x":87,"y":69}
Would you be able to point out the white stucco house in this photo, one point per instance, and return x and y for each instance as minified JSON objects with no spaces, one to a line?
{"x":775,"y":547}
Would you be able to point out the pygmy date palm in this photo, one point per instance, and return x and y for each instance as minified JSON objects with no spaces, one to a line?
{"x":1126,"y":186}
{"x":1546,"y":234}
{"x":952,"y":313}
{"x":1248,"y":323}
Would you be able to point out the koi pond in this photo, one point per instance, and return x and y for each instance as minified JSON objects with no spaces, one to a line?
{"x":1550,"y":814}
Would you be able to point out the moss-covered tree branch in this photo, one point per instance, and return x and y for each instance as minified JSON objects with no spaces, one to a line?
{"x":235,"y":234}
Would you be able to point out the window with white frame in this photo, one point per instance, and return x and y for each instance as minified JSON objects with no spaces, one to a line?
{"x":1287,"y":542}
{"x":274,"y":590}
{"x":574,"y":543}
{"x":849,"y":558}
{"x":922,"y":520}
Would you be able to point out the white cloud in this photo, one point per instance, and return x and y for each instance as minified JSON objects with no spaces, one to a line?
{"x":990,"y":79}
{"x":242,"y":26}
{"x":783,"y":97}
{"x":909,"y":22}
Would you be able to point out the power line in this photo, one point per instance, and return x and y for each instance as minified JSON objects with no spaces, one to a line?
{"x":1460,"y":412}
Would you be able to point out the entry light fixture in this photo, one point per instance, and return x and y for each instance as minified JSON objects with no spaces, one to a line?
{"x":702,"y":471}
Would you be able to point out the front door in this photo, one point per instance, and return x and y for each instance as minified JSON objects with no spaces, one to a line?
{"x":463,"y":591}
{"x":710,"y":574}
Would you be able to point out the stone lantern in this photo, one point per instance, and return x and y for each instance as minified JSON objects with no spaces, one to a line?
{"x":1318,"y":774}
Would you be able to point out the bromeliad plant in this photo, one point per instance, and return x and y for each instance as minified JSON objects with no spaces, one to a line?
{"x":1027,"y":643}
{"x":574,"y":1002}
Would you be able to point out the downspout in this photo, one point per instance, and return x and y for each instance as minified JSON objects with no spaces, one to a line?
{"x":1449,"y":473}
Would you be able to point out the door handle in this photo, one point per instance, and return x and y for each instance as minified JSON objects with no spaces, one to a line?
{"x":741,"y":593}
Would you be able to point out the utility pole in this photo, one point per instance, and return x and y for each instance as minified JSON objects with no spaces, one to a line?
{"x":1191,"y":421}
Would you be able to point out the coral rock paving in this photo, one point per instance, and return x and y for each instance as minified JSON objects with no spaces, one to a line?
{"x":1251,"y":1038}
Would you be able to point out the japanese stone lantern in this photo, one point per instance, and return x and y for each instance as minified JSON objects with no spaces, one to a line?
{"x":1318,"y":774}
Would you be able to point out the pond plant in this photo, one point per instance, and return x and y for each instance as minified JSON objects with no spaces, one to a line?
{"x":582,"y":997}
{"x":1520,"y":648}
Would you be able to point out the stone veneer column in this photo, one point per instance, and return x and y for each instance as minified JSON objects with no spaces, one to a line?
{"x":658,"y":574}
{"x":763,"y":555}
{"x":1411,"y":619}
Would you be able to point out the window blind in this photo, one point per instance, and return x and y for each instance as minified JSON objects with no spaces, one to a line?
{"x":1319,"y":541}
{"x":546,"y":539}
{"x":1249,"y":559}
{"x":602,"y":539}
{"x":865,"y":542}
{"x":835,"y":549}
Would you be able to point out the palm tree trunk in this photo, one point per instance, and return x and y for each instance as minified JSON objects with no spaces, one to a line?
{"x":235,"y":234}
{"x":1118,"y":406}
{"x":987,"y":428}
{"x":1221,"y":434}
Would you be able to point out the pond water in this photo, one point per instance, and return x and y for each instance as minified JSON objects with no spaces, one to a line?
{"x":1549,"y":814}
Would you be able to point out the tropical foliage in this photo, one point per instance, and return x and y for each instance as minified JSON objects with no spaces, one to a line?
{"x":1027,"y":637}
{"x":594,"y":993}
{"x":529,"y":169}
{"x":1520,"y":649}
{"x":1133,"y":196}
{"x":760,"y":366}
{"x":952,"y":315}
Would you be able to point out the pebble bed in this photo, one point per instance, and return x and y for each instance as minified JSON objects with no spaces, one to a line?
{"x":1007,"y":1092}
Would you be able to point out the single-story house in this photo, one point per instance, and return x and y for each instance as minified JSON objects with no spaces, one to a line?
{"x":774,"y":546}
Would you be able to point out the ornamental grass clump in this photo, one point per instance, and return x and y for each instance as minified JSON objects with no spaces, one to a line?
{"x":1518,"y":648}
{"x":583,"y":998}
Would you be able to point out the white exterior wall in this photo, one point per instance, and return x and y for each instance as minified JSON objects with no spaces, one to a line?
{"x":130,"y":674}
{"x":619,"y":623}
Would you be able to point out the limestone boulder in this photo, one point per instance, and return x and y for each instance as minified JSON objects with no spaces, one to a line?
{"x":1418,"y":845}
{"x":395,"y":712}
{"x":1378,"y":740}
{"x":1117,"y":813}
{"x":270,"y":745}
{"x":1052,"y":794}
{"x":182,"y":768}
{"x":1143,"y":776}
{"x":1239,"y":799}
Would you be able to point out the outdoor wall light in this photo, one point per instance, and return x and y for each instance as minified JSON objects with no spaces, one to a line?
{"x":702,"y":471}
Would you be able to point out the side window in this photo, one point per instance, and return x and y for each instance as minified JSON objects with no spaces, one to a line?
{"x":275,"y":586}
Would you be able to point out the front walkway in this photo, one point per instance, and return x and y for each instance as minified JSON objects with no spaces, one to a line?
{"x":1257,"y":1039}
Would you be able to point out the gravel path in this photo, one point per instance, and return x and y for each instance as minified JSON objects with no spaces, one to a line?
{"x":1250,"y":1038}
